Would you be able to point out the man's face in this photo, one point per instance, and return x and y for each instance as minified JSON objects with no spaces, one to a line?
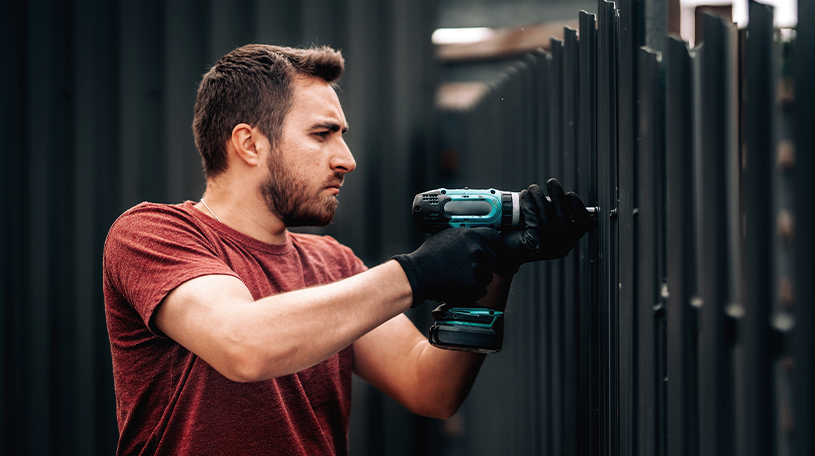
{"x":307,"y":167}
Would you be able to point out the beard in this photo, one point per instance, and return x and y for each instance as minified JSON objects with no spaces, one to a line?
{"x":291,"y":199}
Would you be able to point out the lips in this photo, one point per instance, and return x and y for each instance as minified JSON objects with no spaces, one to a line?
{"x":333,"y":188}
{"x":334,"y":183}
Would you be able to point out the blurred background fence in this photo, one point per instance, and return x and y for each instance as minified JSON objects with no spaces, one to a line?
{"x":683,"y":325}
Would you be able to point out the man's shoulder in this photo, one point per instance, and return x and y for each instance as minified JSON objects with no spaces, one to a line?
{"x":153,"y":221}
{"x":147,"y":210}
{"x":146,"y":216}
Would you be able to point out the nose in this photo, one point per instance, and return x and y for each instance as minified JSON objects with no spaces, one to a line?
{"x":343,"y":160}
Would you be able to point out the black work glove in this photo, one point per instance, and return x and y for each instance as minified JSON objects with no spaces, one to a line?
{"x":453,"y":264}
{"x":552,"y":228}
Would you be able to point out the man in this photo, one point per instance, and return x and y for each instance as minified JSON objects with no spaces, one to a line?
{"x":229,"y":334}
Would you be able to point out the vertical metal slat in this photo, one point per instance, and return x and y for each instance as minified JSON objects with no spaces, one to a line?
{"x":715,"y":396}
{"x":647,"y":297}
{"x":804,"y":289}
{"x":607,"y":65}
{"x":757,"y":201}
{"x":589,"y":389}
{"x":555,"y":301}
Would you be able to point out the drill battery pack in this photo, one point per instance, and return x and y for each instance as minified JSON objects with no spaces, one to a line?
{"x":473,"y":329}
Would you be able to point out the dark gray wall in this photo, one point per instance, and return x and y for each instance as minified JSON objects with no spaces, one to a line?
{"x":97,"y":104}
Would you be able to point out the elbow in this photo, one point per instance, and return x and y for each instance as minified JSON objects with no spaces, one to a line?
{"x":450,"y":409}
{"x":445,"y":413}
{"x":239,"y":366}
{"x":248,"y":362}
{"x":441,"y":409}
{"x":242,"y":371}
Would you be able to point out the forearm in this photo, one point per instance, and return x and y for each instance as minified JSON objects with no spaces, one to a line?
{"x":281,"y":334}
{"x":296,"y":330}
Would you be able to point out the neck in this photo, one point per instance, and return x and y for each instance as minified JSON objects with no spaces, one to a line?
{"x":245,"y":213}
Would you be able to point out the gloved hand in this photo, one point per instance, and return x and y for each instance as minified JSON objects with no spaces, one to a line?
{"x":453,"y":264}
{"x":552,"y":228}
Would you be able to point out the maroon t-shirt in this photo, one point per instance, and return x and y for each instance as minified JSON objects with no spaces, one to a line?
{"x":170,"y":401}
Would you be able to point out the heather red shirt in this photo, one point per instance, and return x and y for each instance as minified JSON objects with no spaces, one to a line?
{"x":169,"y":401}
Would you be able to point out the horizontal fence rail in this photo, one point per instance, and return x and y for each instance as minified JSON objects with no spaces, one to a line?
{"x":682,"y":324}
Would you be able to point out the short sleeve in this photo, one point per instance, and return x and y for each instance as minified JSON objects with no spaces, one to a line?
{"x":152,"y":249}
{"x":355,"y":264}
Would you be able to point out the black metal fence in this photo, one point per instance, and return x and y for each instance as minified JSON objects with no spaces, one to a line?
{"x":682,"y":325}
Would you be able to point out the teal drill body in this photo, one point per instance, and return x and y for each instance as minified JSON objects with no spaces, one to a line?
{"x":459,"y":325}
{"x":435,"y":210}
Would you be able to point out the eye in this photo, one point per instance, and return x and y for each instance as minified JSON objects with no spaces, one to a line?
{"x":322,"y":134}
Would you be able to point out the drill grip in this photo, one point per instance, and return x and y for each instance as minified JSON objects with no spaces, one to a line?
{"x":442,"y":208}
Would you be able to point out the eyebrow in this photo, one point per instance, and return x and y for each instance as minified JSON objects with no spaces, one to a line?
{"x":332,"y":126}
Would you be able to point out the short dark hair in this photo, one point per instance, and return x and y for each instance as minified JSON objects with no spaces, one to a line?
{"x":253,"y":85}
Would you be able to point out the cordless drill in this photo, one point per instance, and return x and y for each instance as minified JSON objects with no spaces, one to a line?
{"x":464,"y":326}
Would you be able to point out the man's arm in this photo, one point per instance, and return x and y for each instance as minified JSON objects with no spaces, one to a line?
{"x":245,"y":340}
{"x":397,"y":359}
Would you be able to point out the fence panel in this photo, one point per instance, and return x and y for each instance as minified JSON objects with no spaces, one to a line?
{"x":669,"y":329}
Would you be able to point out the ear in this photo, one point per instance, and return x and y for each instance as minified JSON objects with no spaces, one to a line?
{"x":244,"y":141}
